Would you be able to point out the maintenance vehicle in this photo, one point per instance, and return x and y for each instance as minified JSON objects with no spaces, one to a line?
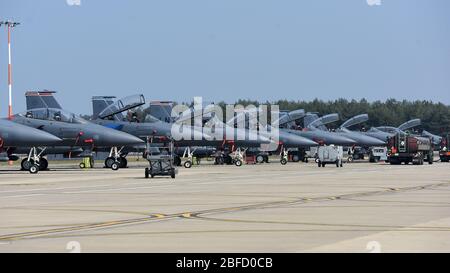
{"x":160,"y":158}
{"x":330,"y":155}
{"x":444,"y":152}
{"x":377,"y":154}
{"x":405,"y":148}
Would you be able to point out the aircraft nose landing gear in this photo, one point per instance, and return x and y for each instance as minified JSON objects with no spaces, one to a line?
{"x":34,"y":163}
{"x":238,"y":157}
{"x":189,"y":155}
{"x":116,"y":160}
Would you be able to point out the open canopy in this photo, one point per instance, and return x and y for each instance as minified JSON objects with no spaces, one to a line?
{"x":122,"y":105}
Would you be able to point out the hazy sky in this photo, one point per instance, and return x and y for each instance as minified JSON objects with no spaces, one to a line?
{"x":227,"y":49}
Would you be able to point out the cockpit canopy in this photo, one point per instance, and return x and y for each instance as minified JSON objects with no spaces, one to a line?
{"x":122,"y":105}
{"x":52,"y":114}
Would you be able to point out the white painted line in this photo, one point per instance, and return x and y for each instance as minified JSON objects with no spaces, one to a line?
{"x":64,"y":188}
{"x":23,"y":195}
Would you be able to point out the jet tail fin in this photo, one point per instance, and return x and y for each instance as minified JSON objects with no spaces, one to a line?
{"x":162,"y":110}
{"x":41,"y":99}
{"x":99,"y":103}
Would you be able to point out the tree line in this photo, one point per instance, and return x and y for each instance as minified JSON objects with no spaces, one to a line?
{"x":435,"y":116}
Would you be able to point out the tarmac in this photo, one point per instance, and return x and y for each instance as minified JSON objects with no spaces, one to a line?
{"x":298,"y":207}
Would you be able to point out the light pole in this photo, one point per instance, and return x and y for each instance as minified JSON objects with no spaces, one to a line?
{"x":9,"y":25}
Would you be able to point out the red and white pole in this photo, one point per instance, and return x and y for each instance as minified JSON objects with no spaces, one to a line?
{"x":9,"y":74}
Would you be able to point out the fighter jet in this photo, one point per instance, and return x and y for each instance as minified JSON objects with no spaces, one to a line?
{"x":383,"y":133}
{"x":13,"y":135}
{"x":45,"y":113}
{"x":436,"y":139}
{"x":286,"y":141}
{"x":361,"y":139}
{"x":315,"y":130}
{"x":378,"y":134}
{"x":109,"y":113}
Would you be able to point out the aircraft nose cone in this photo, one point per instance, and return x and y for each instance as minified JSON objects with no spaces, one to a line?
{"x":371,"y":141}
{"x":45,"y":138}
{"x":110,"y":137}
{"x":19,"y":135}
{"x":296,"y":141}
{"x":340,"y":140}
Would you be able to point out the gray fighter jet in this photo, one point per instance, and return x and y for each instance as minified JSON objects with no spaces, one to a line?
{"x":315,"y":130}
{"x":45,"y":113}
{"x":13,"y":135}
{"x":383,"y":133}
{"x":435,"y":138}
{"x":109,"y":113}
{"x":361,"y":139}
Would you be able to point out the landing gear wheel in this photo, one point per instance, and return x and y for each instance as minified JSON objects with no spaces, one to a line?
{"x":34,"y":169}
{"x":172,"y":174}
{"x":82,"y":166}
{"x":43,"y":164}
{"x":238,"y":163}
{"x":187,"y":164}
{"x":146,"y":173}
{"x":283,"y":161}
{"x":109,"y":161}
{"x":123,"y":162}
{"x":115,"y":166}
{"x":259,"y":158}
{"x":219,"y":160}
{"x":295,"y":158}
{"x":26,"y":164}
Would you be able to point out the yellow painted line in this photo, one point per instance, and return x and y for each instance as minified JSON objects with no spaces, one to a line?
{"x":159,"y":215}
{"x":186,"y":215}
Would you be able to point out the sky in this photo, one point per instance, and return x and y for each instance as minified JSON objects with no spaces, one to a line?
{"x":227,"y":50}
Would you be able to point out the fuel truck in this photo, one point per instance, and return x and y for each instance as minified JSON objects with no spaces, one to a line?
{"x":405,"y":148}
{"x":444,"y":152}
